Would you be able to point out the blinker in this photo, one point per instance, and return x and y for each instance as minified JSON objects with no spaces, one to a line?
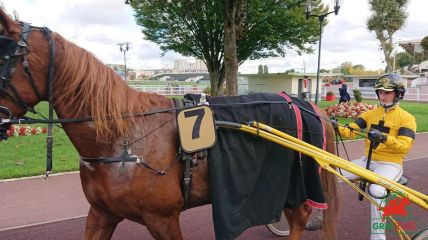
{"x":8,"y":47}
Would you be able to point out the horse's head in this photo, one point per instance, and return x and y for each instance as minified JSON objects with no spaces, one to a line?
{"x":24,"y":66}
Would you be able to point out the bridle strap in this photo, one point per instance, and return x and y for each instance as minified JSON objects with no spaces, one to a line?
{"x":49,"y":139}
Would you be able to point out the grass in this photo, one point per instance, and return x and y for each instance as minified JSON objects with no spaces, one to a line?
{"x":26,"y":156}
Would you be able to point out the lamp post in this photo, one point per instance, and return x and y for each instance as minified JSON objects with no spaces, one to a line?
{"x":124,"y":47}
{"x":320,"y":17}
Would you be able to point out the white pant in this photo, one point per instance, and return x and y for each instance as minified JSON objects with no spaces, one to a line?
{"x":389,"y":170}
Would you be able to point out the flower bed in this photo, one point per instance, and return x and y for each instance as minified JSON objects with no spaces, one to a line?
{"x":15,"y":131}
{"x":348,"y":109}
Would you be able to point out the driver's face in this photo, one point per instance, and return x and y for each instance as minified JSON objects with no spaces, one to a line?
{"x":386,"y":97}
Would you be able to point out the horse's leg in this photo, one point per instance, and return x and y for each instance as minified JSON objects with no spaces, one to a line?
{"x":100,"y":225}
{"x":163,"y":227}
{"x":297,"y":219}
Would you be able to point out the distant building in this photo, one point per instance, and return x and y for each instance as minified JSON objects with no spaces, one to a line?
{"x":292,"y":83}
{"x":186,"y":66}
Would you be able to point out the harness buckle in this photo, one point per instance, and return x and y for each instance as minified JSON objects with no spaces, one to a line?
{"x":22,"y":43}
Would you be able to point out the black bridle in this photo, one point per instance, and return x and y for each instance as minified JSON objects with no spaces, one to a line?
{"x":11,"y":52}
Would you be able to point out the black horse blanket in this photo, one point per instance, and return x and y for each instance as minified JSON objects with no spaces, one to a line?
{"x":253,"y":179}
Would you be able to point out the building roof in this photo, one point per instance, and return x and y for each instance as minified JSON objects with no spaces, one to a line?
{"x":411,"y":46}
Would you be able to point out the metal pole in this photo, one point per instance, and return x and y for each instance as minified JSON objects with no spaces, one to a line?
{"x":124,"y":60}
{"x":321,"y":19}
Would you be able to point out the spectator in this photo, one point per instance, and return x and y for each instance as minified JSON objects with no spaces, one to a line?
{"x":344,"y":95}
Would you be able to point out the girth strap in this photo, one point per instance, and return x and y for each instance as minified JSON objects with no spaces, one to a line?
{"x":125,"y":157}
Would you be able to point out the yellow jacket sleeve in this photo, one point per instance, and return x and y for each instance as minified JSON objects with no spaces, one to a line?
{"x":402,"y":143}
{"x":354,"y":128}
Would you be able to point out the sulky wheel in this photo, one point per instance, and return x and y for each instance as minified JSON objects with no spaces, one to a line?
{"x":422,"y":235}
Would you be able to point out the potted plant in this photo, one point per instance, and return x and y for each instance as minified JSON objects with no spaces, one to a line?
{"x":330,"y":96}
{"x":357,"y":95}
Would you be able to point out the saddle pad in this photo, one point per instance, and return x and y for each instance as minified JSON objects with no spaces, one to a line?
{"x":253,"y":179}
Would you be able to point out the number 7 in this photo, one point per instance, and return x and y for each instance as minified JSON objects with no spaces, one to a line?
{"x":200,"y":113}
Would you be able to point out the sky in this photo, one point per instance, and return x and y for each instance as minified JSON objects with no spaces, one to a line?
{"x":99,"y":25}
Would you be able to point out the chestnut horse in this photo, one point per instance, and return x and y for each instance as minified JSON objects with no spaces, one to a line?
{"x":83,"y":86}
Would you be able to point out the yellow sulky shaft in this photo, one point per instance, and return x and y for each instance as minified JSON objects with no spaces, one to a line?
{"x":325,"y":159}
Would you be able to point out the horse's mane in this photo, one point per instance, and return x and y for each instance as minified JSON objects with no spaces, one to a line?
{"x":90,"y":88}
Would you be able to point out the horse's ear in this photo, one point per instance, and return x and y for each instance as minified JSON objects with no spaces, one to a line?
{"x":6,"y":23}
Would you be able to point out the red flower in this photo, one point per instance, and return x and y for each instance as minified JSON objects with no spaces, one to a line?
{"x":22,"y":131}
{"x":348,"y":110}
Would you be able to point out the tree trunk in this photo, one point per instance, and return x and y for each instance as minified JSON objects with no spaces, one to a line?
{"x":386,"y":52}
{"x":230,"y":51}
{"x":216,"y":72}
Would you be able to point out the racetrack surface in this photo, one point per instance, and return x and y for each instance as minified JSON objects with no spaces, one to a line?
{"x":56,"y":208}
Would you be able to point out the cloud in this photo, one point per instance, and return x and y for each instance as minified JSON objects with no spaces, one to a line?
{"x":98,"y":25}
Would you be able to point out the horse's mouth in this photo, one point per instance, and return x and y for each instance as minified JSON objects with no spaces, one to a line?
{"x":5,"y":113}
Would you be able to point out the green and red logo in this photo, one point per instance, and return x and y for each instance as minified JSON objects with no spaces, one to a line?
{"x":400,"y":209}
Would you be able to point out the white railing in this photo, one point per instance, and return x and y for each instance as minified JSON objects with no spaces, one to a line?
{"x":168,"y":90}
{"x":412,"y":94}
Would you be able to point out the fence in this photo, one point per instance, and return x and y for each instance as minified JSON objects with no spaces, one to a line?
{"x":412,"y":94}
{"x":168,"y":90}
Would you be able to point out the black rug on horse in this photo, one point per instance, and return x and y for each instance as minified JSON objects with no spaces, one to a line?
{"x":253,"y":179}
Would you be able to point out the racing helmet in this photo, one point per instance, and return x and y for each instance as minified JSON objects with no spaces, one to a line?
{"x":391,"y":82}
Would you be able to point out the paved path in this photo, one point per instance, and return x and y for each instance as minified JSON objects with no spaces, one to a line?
{"x":56,"y":208}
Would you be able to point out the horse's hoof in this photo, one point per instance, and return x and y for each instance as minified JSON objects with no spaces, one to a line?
{"x":314,"y":225}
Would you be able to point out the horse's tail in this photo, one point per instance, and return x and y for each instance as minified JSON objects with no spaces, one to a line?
{"x":329,"y":184}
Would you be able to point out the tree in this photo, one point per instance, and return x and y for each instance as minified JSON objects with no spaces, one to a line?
{"x":404,"y":59}
{"x":265,"y":69}
{"x":388,"y":16}
{"x":260,"y":71}
{"x":358,"y":69}
{"x":424,"y":43}
{"x":290,"y":71}
{"x":208,"y":30}
{"x":346,"y":68}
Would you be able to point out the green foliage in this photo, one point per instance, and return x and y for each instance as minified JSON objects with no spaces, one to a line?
{"x":265,"y":69}
{"x":387,"y":17}
{"x":346,"y":68}
{"x":267,"y":28}
{"x":404,"y":59}
{"x":290,"y":71}
{"x":207,"y":90}
{"x":260,"y":71}
{"x":357,"y":95}
{"x":424,"y":43}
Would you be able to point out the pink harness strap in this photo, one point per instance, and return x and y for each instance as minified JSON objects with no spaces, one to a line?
{"x":324,"y":137}
{"x":297,"y":113}
{"x":300,"y":137}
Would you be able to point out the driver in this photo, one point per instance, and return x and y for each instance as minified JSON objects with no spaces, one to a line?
{"x":392,"y":129}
